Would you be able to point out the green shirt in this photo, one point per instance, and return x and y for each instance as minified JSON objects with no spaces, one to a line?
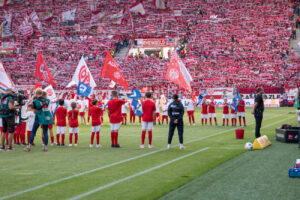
{"x":43,"y":114}
{"x":4,"y":106}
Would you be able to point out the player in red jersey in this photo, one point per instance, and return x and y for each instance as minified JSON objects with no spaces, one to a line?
{"x":61,"y":123}
{"x":241,"y":111}
{"x":95,"y":112}
{"x":233,"y":116}
{"x":225,"y":112}
{"x":204,"y":112}
{"x":73,"y":124}
{"x":115,"y":117}
{"x":211,"y":111}
{"x":90,"y":105}
{"x":149,"y":114}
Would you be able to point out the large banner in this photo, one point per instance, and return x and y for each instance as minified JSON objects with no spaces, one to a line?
{"x":268,"y":90}
{"x":159,"y":42}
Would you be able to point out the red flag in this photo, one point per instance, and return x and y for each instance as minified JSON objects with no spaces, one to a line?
{"x":111,"y":70}
{"x":177,"y":73}
{"x":37,"y":85}
{"x":42,"y":72}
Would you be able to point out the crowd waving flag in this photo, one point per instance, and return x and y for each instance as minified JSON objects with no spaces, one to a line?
{"x":178,"y":74}
{"x":111,"y":70}
{"x":159,"y":4}
{"x":26,"y":27}
{"x":82,"y":74}
{"x":5,"y":81}
{"x":138,"y":7}
{"x":42,"y":72}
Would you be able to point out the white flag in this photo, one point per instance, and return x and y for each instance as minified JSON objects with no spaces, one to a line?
{"x":50,"y":92}
{"x":5,"y":81}
{"x":68,"y":17}
{"x":83,"y":75}
{"x":6,"y":27}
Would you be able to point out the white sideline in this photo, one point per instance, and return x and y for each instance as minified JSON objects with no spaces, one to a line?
{"x":117,"y":163}
{"x":137,"y":174}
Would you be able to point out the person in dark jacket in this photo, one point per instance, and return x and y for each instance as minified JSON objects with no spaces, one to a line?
{"x":176,"y":112}
{"x":258,"y":110}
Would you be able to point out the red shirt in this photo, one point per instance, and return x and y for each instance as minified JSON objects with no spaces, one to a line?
{"x":232,"y":111}
{"x":148,"y":107}
{"x":225,"y":109}
{"x":61,"y":116}
{"x":114,"y":107}
{"x":96,"y":113}
{"x":73,"y":121}
{"x":204,"y":109}
{"x":211,"y":108}
{"x":241,"y":106}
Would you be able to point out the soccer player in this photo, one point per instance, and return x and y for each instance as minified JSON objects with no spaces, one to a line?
{"x":211,"y":111}
{"x":204,"y":112}
{"x":124,"y":113}
{"x":241,"y":111}
{"x":225,"y":112}
{"x":73,"y":124}
{"x":90,"y":105}
{"x":190,"y":110}
{"x":132,"y":115}
{"x":95,"y":112}
{"x":157,"y":111}
{"x":165,"y":113}
{"x":233,"y":116}
{"x":82,"y":107}
{"x":149,"y":114}
{"x":61,"y":115}
{"x":114,"y":107}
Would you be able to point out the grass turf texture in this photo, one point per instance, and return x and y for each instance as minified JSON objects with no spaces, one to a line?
{"x":21,"y":170}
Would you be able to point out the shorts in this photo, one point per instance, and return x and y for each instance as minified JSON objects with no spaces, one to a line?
{"x":8,"y":124}
{"x":96,"y":128}
{"x":204,"y":116}
{"x":212,"y":115}
{"x":225,"y":116}
{"x":190,"y":113}
{"x":241,"y":114}
{"x":115,"y":126}
{"x":61,"y":130}
{"x":233,"y":116}
{"x":73,"y":130}
{"x":147,"y":125}
{"x":82,"y":114}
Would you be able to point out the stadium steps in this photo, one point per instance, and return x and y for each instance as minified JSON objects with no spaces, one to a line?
{"x":123,"y":52}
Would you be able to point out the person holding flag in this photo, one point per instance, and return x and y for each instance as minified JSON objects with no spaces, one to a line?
{"x":114,"y":107}
{"x":149,"y":115}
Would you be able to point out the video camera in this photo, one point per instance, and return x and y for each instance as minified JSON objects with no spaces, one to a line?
{"x":19,"y":98}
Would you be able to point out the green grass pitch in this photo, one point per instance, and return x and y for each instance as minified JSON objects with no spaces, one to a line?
{"x":129,"y":172}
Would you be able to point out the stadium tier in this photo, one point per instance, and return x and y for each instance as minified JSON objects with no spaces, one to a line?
{"x":226,"y":43}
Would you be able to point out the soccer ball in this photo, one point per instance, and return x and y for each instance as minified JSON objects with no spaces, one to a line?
{"x":249,"y":146}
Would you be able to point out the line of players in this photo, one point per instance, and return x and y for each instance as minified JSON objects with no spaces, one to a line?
{"x":71,"y":109}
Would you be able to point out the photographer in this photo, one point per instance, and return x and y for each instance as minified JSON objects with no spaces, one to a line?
{"x":7,"y":113}
{"x":43,"y":117}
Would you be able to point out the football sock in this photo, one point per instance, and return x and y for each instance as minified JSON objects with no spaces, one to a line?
{"x":92,"y":137}
{"x":98,"y":137}
{"x":143,"y":137}
{"x":150,"y":137}
{"x":76,"y":138}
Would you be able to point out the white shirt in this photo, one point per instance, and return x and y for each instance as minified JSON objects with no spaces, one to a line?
{"x":124,"y":109}
{"x":165,"y":110}
{"x":68,"y":104}
{"x":83,"y":105}
{"x":157,"y":106}
{"x":190,"y":105}
{"x":30,"y":121}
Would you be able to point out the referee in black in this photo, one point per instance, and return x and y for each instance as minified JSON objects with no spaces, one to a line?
{"x":258,"y":110}
{"x":175,"y":112}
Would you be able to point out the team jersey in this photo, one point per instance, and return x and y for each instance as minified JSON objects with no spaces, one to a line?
{"x":204,"y":109}
{"x":233,"y":111}
{"x":211,"y":107}
{"x":114,"y":107}
{"x":241,"y":106}
{"x":82,"y":104}
{"x":96,"y":113}
{"x":165,"y":110}
{"x":124,"y":109}
{"x":61,"y":115}
{"x":190,"y":106}
{"x":225,"y":109}
{"x":68,"y":104}
{"x":73,"y":121}
{"x":148,"y":107}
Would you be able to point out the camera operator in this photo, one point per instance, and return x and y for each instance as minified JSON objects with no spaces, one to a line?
{"x":7,"y":113}
{"x":43,"y":117}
